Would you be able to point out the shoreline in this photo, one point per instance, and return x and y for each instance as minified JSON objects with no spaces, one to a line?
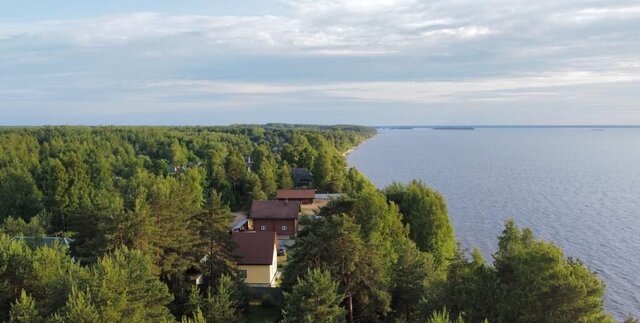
{"x":352,"y":149}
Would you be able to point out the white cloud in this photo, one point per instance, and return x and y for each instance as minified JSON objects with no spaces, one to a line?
{"x":503,"y":88}
{"x":319,"y":52}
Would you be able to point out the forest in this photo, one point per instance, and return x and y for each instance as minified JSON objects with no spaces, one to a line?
{"x":144,"y":206}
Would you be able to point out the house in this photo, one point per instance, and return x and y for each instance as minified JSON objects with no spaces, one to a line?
{"x":257,"y":257}
{"x":302,"y":177}
{"x":304,"y":196}
{"x":276,"y":216}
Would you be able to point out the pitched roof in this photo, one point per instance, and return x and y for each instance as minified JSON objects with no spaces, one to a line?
{"x":296,"y":194}
{"x":254,"y":248}
{"x":37,"y":242}
{"x":274,"y":209}
{"x":301,"y":173}
{"x":238,"y":221}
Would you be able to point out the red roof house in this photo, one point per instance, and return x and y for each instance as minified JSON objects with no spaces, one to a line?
{"x":276,"y":216}
{"x":256,"y":253}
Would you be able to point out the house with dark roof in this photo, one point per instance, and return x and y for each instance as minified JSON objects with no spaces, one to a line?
{"x":256,"y":253}
{"x":276,"y":216}
{"x":302,"y":177}
{"x":304,"y":196}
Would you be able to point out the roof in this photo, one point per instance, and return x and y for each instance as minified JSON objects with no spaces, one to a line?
{"x":36,"y":242}
{"x":274,"y":209}
{"x":238,"y":221}
{"x":301,"y":173}
{"x":296,"y":194}
{"x":254,"y":248}
{"x":328,"y":196}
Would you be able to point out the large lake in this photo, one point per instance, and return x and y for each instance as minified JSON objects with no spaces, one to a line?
{"x":579,"y":188}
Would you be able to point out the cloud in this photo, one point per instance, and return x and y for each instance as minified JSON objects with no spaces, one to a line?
{"x":401,"y":53}
{"x":504,"y":88}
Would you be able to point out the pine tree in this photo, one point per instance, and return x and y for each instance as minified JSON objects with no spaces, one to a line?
{"x":19,"y":195}
{"x":222,"y":305}
{"x":443,"y":317}
{"x":335,"y":244}
{"x":78,"y":309}
{"x":24,"y":310}
{"x":314,"y":298}
{"x":197,"y":317}
{"x":15,"y":266}
{"x":214,"y":239}
{"x":194,"y":301}
{"x":285,"y":178}
{"x":413,"y":275}
{"x":123,"y":287}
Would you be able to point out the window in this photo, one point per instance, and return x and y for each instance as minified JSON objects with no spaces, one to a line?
{"x":263,"y":227}
{"x":283,"y":228}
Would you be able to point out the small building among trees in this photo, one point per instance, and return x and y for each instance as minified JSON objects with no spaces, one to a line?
{"x":257,"y":257}
{"x":302,"y":177}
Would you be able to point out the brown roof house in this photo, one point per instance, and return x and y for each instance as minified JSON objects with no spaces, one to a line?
{"x":305,"y":196}
{"x":276,"y":216}
{"x":257,"y":257}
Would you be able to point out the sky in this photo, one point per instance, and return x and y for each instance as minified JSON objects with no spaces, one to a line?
{"x":373,"y":62}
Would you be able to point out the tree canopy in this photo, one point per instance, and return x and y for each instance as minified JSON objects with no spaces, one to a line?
{"x":145,"y":205}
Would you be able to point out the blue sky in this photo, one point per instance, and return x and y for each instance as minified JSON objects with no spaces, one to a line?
{"x":363,"y":62}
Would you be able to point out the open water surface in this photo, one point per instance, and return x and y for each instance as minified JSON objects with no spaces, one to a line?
{"x":577,"y":187}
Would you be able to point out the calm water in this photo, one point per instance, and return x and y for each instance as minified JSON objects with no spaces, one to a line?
{"x":576,"y":187}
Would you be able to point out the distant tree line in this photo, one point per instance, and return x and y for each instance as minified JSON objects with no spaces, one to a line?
{"x":161,"y":195}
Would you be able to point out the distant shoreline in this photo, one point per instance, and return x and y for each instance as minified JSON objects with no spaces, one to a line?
{"x":508,"y":126}
{"x":352,"y":149}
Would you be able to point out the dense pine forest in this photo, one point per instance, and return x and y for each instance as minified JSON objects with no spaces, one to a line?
{"x":145,"y":206}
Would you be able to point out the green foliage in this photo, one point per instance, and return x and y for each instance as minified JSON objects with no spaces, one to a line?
{"x":425,"y":211}
{"x":139,"y":226}
{"x":24,"y":310}
{"x":314,"y":298}
{"x":124,"y":289}
{"x":470,"y":289}
{"x":19,"y":194}
{"x":222,"y":306}
{"x":194,"y":301}
{"x":443,"y":317}
{"x":214,"y":241}
{"x":18,"y":227}
{"x":285,"y":179}
{"x":79,"y":309}
{"x":197,"y":317}
{"x":538,"y":284}
{"x":336,"y":245}
{"x":414,"y":277}
{"x":51,"y":275}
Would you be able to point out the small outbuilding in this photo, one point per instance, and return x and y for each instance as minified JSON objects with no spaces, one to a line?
{"x":302,"y":177}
